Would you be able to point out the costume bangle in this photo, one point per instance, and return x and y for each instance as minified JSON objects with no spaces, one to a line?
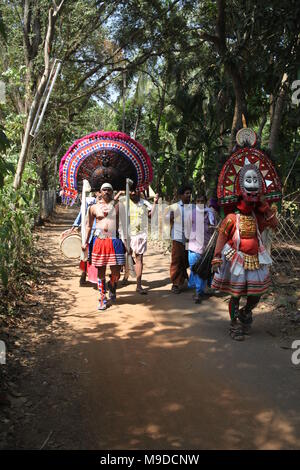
{"x":216,"y":261}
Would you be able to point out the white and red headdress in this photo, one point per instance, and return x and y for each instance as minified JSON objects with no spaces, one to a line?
{"x":231,"y":183}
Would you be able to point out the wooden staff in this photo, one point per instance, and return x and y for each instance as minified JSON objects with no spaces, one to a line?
{"x":85,"y":189}
{"x":129,"y":267}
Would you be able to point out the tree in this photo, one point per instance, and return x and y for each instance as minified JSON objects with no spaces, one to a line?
{"x":31,"y":47}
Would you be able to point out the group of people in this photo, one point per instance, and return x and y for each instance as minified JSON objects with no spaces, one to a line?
{"x":106,"y":240}
{"x":240,"y":262}
{"x":222,"y":242}
{"x":192,"y":225}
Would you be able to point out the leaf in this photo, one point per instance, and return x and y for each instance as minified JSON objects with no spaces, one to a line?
{"x":5,"y":168}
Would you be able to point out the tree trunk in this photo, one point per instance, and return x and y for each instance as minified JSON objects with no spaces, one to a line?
{"x":161,"y":108}
{"x":123,"y":100}
{"x":231,"y":69}
{"x":23,"y":154}
{"x":137,"y":122}
{"x":52,"y":17}
{"x":261,"y":128}
{"x":27,"y":137}
{"x":240,"y":107}
{"x":278,"y":112}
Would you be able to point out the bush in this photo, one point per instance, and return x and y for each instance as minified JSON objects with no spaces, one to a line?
{"x":18,"y":210}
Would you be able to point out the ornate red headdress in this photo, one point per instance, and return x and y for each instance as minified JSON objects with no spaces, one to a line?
{"x":230,"y":183}
{"x":104,"y":157}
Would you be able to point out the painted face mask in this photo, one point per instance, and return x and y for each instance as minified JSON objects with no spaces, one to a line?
{"x":250,"y":183}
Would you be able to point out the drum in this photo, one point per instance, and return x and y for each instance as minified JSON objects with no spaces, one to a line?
{"x":70,"y":244}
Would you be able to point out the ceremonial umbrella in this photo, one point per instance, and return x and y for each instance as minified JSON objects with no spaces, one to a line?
{"x":104,"y":157}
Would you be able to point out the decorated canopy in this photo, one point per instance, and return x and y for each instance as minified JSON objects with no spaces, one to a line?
{"x":229,"y":182}
{"x":104,"y":157}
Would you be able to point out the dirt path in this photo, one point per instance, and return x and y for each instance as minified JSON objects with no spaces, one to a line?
{"x":155,"y":372}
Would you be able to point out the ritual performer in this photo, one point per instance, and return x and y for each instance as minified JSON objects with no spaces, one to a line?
{"x":107,"y":247}
{"x":112,"y":158}
{"x":247,"y":183}
{"x":88,"y":270}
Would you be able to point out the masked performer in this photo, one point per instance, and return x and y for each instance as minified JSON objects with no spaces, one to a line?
{"x":241,"y":264}
{"x":107,"y":247}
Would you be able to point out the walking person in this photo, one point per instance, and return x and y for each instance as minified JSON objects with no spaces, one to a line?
{"x":107,"y":248}
{"x":140,"y":210}
{"x":247,"y":184}
{"x":179,"y":254}
{"x":199,"y":221}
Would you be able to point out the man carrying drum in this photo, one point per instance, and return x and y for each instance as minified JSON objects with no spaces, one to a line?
{"x":107,"y":247}
{"x":140,"y":210}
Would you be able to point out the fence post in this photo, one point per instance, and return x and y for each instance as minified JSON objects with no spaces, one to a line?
{"x":48,"y":200}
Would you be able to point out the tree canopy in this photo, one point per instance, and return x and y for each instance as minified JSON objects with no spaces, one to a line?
{"x":177,"y":75}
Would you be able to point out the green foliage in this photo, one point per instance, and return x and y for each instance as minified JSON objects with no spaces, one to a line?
{"x":179,"y":96}
{"x":18,"y":210}
{"x":5,"y":169}
{"x":179,"y":99}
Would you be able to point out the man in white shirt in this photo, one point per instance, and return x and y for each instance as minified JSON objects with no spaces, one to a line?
{"x":140,"y":210}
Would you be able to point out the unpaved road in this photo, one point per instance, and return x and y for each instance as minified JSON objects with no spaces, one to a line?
{"x":151,"y":372}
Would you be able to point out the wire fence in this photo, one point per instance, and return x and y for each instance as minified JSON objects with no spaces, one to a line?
{"x":286,"y":239}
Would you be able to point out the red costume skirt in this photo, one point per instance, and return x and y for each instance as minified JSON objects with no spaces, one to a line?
{"x":108,"y":252}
